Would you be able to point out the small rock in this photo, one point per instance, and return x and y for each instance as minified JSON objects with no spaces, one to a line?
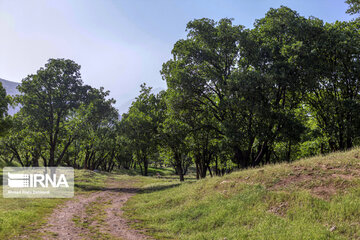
{"x":332,"y":228}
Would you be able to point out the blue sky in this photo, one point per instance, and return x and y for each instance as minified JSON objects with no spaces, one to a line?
{"x":120,"y":44}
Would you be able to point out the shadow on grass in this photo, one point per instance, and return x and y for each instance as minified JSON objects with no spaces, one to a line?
{"x":158,"y":188}
{"x":152,"y":171}
{"x":87,"y":188}
{"x":176,"y":177}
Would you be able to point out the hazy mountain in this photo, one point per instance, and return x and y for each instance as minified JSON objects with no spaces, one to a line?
{"x":10,"y":88}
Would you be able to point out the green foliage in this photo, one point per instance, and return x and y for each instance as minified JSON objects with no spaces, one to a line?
{"x":5,"y":122}
{"x":21,"y":143}
{"x":62,"y":121}
{"x":139,"y":125}
{"x":354,"y":6}
{"x":174,"y":138}
{"x":334,"y":99}
{"x":96,"y":119}
{"x":238,"y":86}
{"x":47,"y":98}
{"x":285,"y":89}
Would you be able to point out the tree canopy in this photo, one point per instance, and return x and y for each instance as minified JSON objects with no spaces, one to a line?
{"x":235,"y":98}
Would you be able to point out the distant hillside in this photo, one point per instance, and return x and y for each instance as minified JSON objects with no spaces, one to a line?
{"x":11,"y":89}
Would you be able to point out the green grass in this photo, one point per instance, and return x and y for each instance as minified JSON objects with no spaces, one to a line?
{"x":87,"y":181}
{"x":162,"y":171}
{"x":23,"y":216}
{"x":152,"y":171}
{"x":315,"y":198}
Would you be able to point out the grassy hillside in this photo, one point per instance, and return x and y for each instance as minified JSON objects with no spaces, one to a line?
{"x":315,"y":198}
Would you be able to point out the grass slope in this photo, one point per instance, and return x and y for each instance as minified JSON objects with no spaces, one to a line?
{"x":20,"y":218}
{"x":315,"y":198}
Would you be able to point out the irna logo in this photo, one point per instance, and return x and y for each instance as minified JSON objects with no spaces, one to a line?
{"x":16,"y":180}
{"x":38,"y":182}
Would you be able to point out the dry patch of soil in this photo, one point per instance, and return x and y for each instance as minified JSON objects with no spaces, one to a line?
{"x":322,"y":181}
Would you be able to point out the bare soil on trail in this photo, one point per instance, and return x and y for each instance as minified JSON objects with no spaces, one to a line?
{"x":96,"y":215}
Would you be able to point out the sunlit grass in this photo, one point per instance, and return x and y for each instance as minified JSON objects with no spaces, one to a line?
{"x":19,"y":215}
{"x":280,"y":201}
{"x":22,"y":217}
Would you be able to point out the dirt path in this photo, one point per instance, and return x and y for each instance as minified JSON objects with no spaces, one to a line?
{"x":97,"y":215}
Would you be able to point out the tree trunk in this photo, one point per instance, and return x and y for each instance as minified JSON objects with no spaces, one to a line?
{"x":197,"y":170}
{"x":181,"y":177}
{"x":35,"y":161}
{"x":179,"y":168}
{"x":288,"y":153}
{"x":260,"y":155}
{"x":51,"y":162}
{"x":210,"y":171}
{"x":216,"y":167}
{"x":146,"y":165}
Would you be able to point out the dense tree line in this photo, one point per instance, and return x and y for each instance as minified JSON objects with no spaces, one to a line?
{"x":236,"y":98}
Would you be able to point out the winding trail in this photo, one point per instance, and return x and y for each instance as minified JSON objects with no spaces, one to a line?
{"x":97,"y":215}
